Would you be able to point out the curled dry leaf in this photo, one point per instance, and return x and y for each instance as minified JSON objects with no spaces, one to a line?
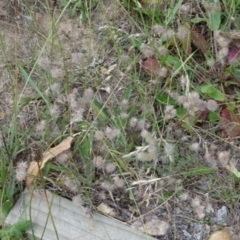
{"x":34,"y":167}
{"x":221,"y":235}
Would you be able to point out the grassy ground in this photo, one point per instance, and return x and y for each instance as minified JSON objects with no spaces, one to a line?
{"x":150,"y":97}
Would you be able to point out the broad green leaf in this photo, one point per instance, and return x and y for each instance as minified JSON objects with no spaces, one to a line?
{"x":164,"y":98}
{"x":181,"y":112}
{"x":6,"y":207}
{"x":214,"y":21}
{"x":213,"y":117}
{"x":212,"y":92}
{"x":198,"y":20}
{"x":15,"y":230}
{"x":231,"y":106}
{"x":214,"y":16}
{"x":172,"y":61}
{"x":85,"y":151}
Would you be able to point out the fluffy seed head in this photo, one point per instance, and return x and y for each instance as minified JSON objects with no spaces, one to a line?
{"x":168,"y":34}
{"x":184,"y":196}
{"x":222,"y":41}
{"x":223,"y":157}
{"x":99,"y":162}
{"x":99,"y":135}
{"x":181,"y":99}
{"x":40,"y":128}
{"x":170,"y":112}
{"x":77,"y":200}
{"x":182,"y":33}
{"x":185,"y":8}
{"x":124,"y":115}
{"x":158,"y":30}
{"x":222,"y":53}
{"x":169,"y":150}
{"x":194,"y":147}
{"x":72,"y":98}
{"x":133,"y":122}
{"x":70,"y":184}
{"x":210,"y":62}
{"x":21,"y":171}
{"x":118,"y":182}
{"x":56,"y":72}
{"x":88,"y":95}
{"x":77,"y":116}
{"x":162,"y":50}
{"x":112,"y":133}
{"x":124,"y":104}
{"x":146,"y":50}
{"x":162,"y":72}
{"x":44,"y":63}
{"x":141,"y":124}
{"x":212,"y":105}
{"x":110,"y":168}
{"x":102,"y":196}
{"x":55,"y":111}
{"x":107,"y":186}
{"x":63,"y":157}
{"x":200,"y":211}
{"x":147,"y":136}
{"x":152,"y":149}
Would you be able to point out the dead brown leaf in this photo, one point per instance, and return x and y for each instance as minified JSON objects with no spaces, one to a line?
{"x":230,"y":123}
{"x":221,"y":235}
{"x":151,"y":66}
{"x":186,"y":43}
{"x":155,"y":228}
{"x":105,"y":209}
{"x":199,"y":40}
{"x":34,"y":167}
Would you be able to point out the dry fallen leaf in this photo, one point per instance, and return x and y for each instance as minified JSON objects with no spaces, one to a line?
{"x":199,"y":40}
{"x":33,"y":169}
{"x":221,"y":235}
{"x":38,"y":17}
{"x":155,"y":228}
{"x":230,"y":123}
{"x":105,"y":209}
{"x":151,"y":66}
